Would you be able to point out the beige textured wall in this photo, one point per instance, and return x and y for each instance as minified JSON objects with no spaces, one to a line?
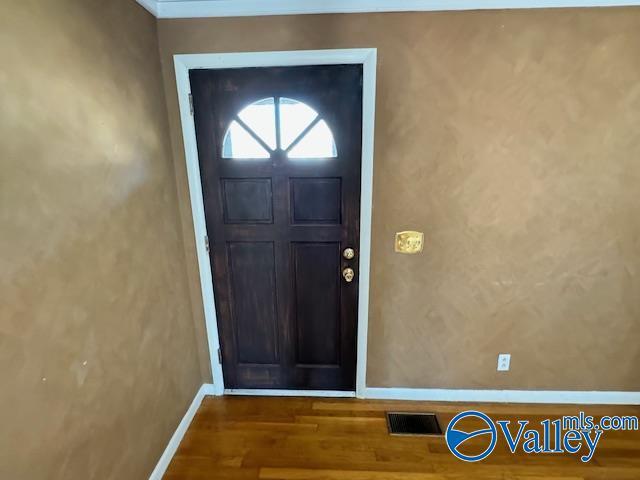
{"x":98,"y":360}
{"x":511,"y":138}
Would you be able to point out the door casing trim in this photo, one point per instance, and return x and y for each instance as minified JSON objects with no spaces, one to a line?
{"x":364,"y":56}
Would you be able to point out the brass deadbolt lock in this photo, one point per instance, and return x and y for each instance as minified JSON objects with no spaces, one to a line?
{"x":349,"y":253}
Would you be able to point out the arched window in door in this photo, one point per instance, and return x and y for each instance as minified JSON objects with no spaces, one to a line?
{"x":278,"y":123}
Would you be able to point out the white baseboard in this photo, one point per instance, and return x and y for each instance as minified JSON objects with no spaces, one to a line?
{"x":176,"y":438}
{"x":504,"y":396}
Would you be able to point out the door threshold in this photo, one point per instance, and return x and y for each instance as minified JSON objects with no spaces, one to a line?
{"x":258,"y":392}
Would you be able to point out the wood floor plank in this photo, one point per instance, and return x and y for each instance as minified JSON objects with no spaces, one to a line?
{"x":310,"y":474}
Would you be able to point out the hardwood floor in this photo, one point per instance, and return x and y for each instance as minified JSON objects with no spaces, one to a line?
{"x":346,"y":439}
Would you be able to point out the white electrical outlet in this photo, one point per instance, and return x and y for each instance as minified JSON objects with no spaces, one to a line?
{"x":504,"y":361}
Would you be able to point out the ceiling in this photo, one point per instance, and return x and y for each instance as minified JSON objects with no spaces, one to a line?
{"x":235,"y":8}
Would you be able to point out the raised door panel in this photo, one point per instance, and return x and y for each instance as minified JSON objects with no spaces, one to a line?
{"x":254,"y":309}
{"x":316,"y":200}
{"x":317,"y":302}
{"x":247,"y":200}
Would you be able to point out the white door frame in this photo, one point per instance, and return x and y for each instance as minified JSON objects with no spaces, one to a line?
{"x":367,"y":58}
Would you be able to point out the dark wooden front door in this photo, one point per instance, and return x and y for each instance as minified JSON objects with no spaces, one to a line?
{"x":280,"y":152}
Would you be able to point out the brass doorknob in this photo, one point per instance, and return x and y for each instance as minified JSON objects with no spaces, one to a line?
{"x":348,"y":274}
{"x":349,"y":253}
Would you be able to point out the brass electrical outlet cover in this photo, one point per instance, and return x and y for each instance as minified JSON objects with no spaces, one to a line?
{"x":409,"y":242}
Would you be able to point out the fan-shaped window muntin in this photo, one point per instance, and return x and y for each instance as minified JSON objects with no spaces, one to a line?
{"x":271,"y":124}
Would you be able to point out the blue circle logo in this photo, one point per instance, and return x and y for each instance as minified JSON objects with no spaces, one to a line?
{"x":456,"y":438}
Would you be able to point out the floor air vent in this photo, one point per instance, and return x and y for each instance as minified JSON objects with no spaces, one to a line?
{"x":413,"y":424}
